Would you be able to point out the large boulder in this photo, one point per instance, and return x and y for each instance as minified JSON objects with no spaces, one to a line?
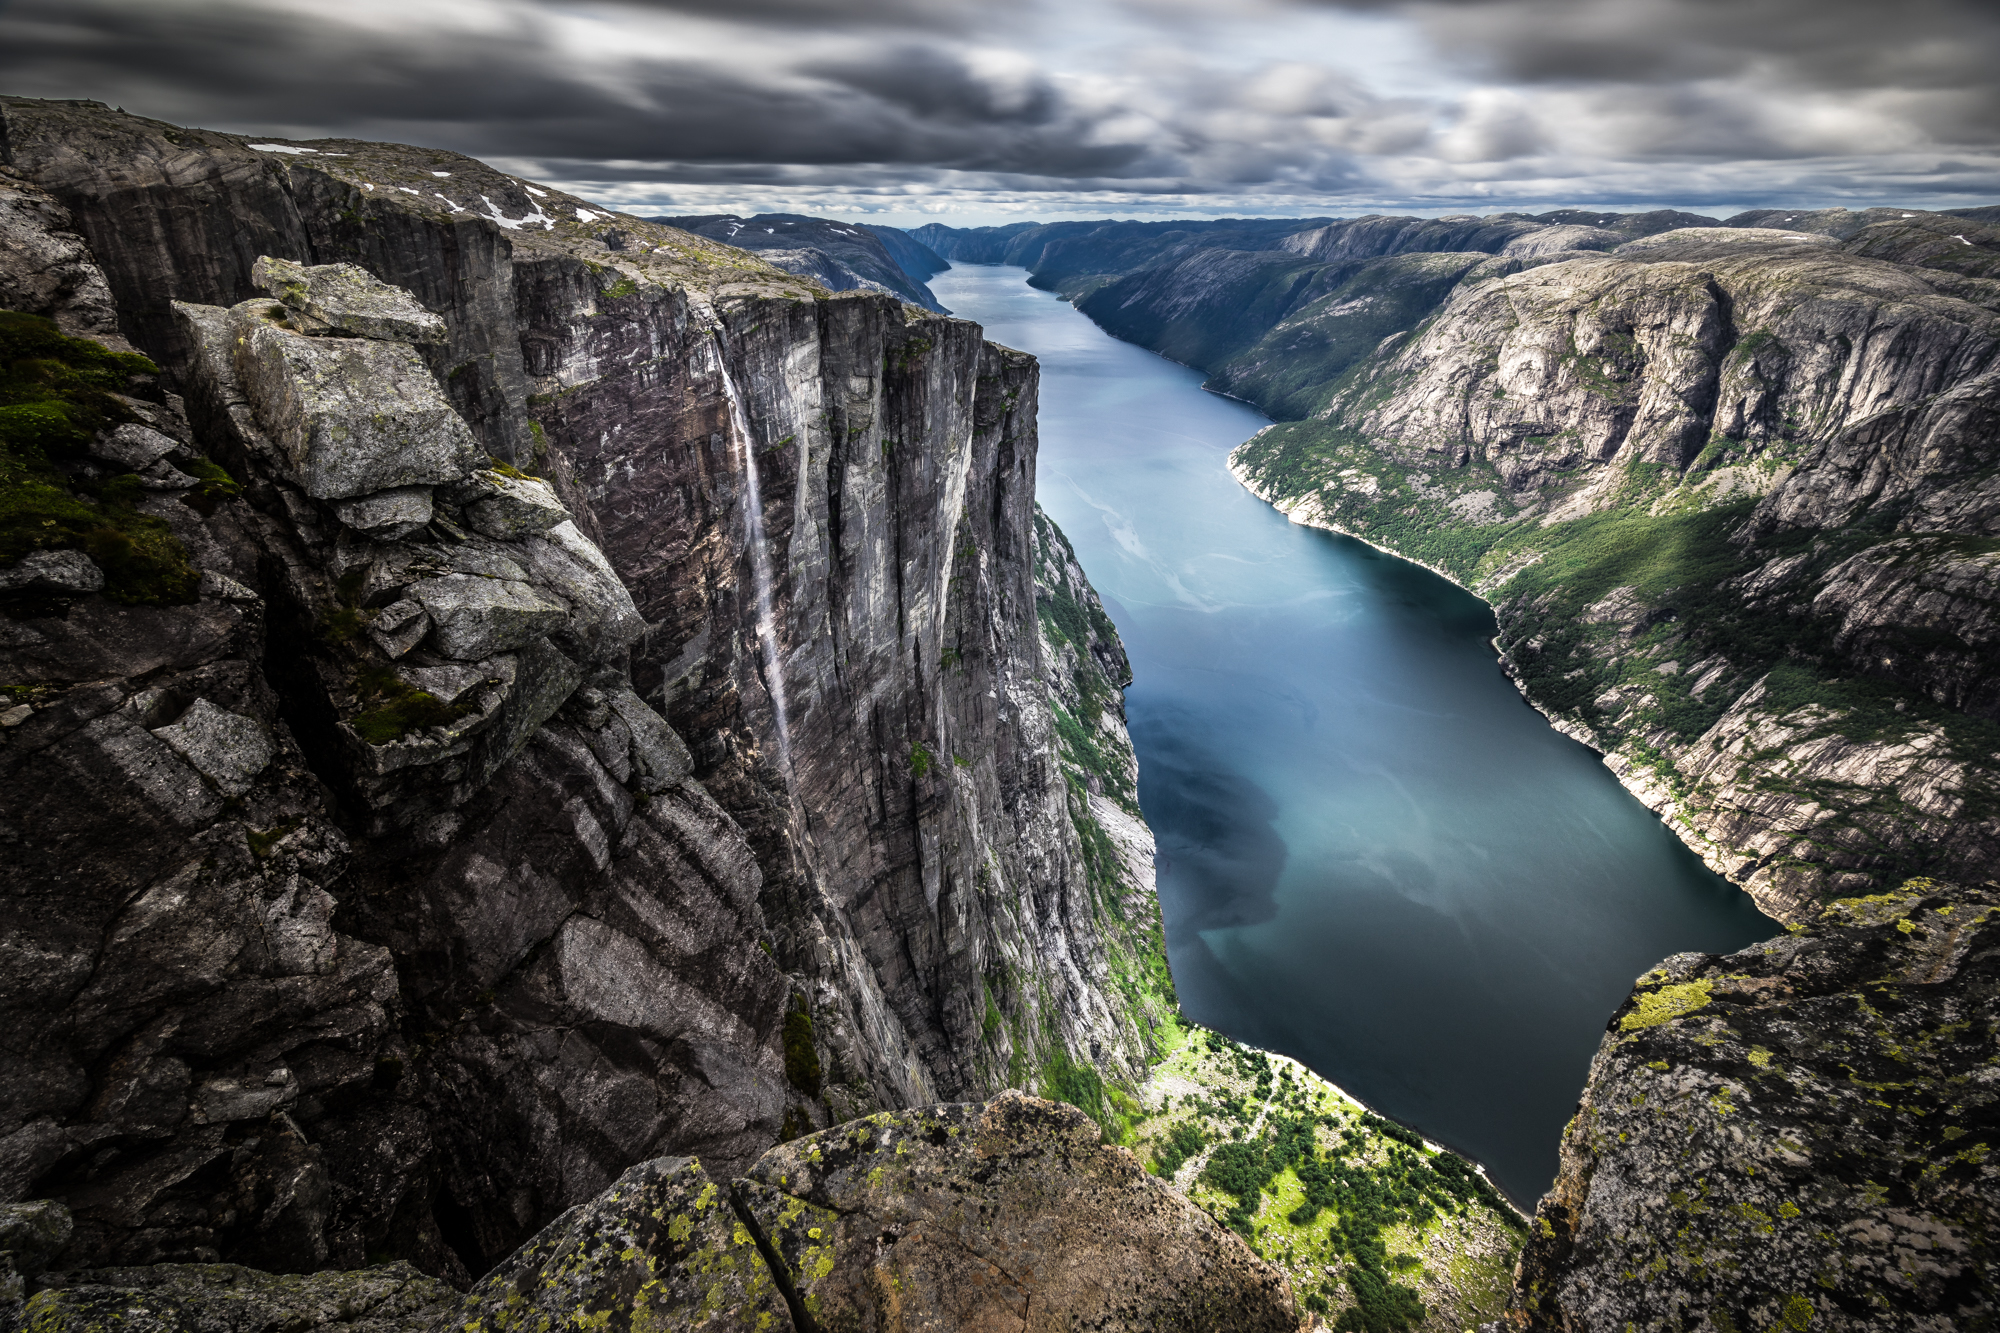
{"x":350,"y":416}
{"x":661,"y":1249}
{"x":1003,"y":1215}
{"x":346,"y":299}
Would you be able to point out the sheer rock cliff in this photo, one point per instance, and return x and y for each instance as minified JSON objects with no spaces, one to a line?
{"x":506,"y":692}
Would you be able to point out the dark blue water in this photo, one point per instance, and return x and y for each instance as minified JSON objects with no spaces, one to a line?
{"x":1374,"y":856}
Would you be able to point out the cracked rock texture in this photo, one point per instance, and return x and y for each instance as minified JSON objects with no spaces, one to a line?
{"x":1798,"y":1135}
{"x":633,"y":742}
{"x":997,"y":1216}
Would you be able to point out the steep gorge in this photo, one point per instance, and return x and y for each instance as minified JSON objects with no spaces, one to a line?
{"x":479,"y":932}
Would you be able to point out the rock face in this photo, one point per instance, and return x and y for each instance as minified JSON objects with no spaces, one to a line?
{"x":636,"y":743}
{"x":1727,"y":485}
{"x":1798,"y":1135}
{"x":1007,"y":1215}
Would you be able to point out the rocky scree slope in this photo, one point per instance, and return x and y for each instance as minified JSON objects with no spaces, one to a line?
{"x":1795,"y":1136}
{"x":362,"y":897}
{"x":1727,"y":486}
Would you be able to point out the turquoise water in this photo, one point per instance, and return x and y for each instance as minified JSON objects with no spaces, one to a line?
{"x":1374,"y":856}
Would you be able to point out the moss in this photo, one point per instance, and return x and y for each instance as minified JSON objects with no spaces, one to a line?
{"x":921,"y":760}
{"x":400,"y":707}
{"x":802,"y":1067}
{"x":619,"y":290}
{"x":506,"y":469}
{"x":1666,"y":1004}
{"x":56,"y":392}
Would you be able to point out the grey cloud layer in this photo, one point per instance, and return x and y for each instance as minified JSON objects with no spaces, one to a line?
{"x":689,"y":99}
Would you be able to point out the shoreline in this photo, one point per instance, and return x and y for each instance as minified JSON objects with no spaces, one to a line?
{"x":1675,"y":818}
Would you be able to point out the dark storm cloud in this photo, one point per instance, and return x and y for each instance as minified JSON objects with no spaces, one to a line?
{"x":1686,"y":101}
{"x":504,"y":91}
{"x":1923,"y":46}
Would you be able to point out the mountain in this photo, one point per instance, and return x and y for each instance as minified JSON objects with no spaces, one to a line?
{"x":1724,"y":483}
{"x":838,"y":256}
{"x":498,"y":691}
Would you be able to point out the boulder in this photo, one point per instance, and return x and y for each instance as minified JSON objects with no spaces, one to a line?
{"x":227,"y":748}
{"x":506,"y":508}
{"x":567,"y":563}
{"x":1798,"y":1135}
{"x":474,"y":617}
{"x":61,"y":572}
{"x":349,"y":416}
{"x":399,"y":627}
{"x":660,"y":1249}
{"x":346,"y":299}
{"x":391,"y":515}
{"x":1007,"y":1214}
{"x":133,"y":445}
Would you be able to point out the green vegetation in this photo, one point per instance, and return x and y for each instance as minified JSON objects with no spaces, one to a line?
{"x":1344,"y":1200}
{"x":400,"y":708}
{"x":802,"y":1067}
{"x":620,"y":289}
{"x":56,"y":393}
{"x":921,"y":760}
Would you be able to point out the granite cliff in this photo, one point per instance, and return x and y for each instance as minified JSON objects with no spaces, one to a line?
{"x":498,"y":692}
{"x":1726,"y":484}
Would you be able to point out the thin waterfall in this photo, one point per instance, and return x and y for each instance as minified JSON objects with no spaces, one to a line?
{"x":760,"y":560}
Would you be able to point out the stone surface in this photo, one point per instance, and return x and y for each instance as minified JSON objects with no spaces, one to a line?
{"x":61,"y":572}
{"x":133,"y":445}
{"x":1011,"y":1214}
{"x":227,"y":748}
{"x":351,"y":416}
{"x":662,"y":1248}
{"x":391,"y":515}
{"x":473,"y":617}
{"x":228,"y":1298}
{"x":347,"y":299}
{"x":509,"y":508}
{"x":1797,"y":1135}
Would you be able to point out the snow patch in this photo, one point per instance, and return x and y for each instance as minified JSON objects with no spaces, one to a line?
{"x":537,"y":218}
{"x":281,"y":148}
{"x":585,"y":215}
{"x":440,"y":173}
{"x":532,"y":190}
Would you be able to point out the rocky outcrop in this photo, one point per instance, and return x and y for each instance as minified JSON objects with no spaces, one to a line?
{"x":1005,"y":1215}
{"x":1797,"y":1135}
{"x":364,"y":896}
{"x":839,"y":255}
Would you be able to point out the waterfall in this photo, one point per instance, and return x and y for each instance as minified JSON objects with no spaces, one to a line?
{"x":760,"y":560}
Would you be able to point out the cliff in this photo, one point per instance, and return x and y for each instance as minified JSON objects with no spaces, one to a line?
{"x":840,"y":257}
{"x":1725,"y":485}
{"x":499,"y":691}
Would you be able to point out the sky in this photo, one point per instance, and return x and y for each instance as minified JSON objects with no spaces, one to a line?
{"x":973,"y":112}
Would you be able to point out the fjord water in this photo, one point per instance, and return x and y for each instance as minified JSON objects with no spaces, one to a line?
{"x":1374,"y":855}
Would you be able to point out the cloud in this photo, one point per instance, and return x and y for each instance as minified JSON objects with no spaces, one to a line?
{"x":1272,"y":106}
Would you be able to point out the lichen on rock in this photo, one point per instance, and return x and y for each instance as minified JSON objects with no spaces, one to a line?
{"x":1797,"y":1135}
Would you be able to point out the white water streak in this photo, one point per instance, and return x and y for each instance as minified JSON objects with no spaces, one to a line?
{"x":760,"y":559}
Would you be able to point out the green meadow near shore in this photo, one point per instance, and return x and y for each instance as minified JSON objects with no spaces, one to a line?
{"x":1378,"y":1229}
